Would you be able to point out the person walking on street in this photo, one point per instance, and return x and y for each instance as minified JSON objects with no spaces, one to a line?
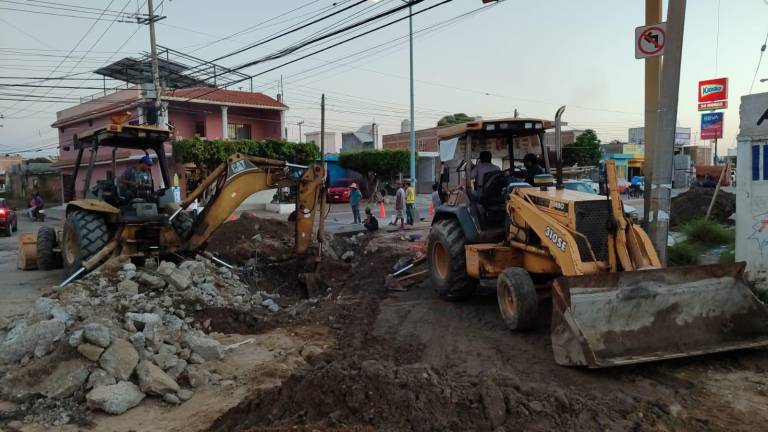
{"x":410,"y":202}
{"x":399,"y":206}
{"x":354,"y":200}
{"x":371,"y":223}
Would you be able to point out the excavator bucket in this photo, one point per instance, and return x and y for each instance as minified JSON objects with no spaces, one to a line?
{"x":613,"y":319}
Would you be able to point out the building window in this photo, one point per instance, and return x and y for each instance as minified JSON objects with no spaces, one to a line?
{"x":238,"y":131}
{"x":200,"y":128}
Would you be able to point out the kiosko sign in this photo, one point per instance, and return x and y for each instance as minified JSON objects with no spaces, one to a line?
{"x":713,"y":90}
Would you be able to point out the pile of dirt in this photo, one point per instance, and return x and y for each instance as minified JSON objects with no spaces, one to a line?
{"x":250,"y":237}
{"x":694,"y":203}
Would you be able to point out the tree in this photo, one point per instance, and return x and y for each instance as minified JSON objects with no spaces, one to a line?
{"x":585,"y":151}
{"x":376,"y":164}
{"x":454,"y":119}
{"x":207,"y":155}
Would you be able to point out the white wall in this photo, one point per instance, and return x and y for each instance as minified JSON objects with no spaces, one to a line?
{"x":752,"y":188}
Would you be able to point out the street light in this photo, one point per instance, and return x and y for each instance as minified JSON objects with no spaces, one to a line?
{"x":412,"y":138}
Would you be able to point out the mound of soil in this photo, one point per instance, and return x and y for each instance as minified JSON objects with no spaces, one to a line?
{"x":694,"y":203}
{"x":251,"y":237}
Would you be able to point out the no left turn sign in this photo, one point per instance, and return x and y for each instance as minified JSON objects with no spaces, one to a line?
{"x":650,"y":40}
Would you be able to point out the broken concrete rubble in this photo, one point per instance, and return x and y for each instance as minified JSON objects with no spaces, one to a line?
{"x":25,"y":339}
{"x":96,"y":333}
{"x":116,"y":398}
{"x":120,"y":359}
{"x":152,"y":379}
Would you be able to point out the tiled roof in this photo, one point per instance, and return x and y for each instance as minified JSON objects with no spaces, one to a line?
{"x":223,"y":96}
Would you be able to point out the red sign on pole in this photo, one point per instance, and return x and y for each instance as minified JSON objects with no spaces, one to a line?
{"x":713,"y":90}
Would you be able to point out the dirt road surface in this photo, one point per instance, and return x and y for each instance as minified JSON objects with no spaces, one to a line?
{"x":19,"y":289}
{"x":409,"y":361}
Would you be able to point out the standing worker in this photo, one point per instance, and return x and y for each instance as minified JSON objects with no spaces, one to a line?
{"x":354,"y":200}
{"x":410,"y":202}
{"x":436,"y":201}
{"x":399,"y":206}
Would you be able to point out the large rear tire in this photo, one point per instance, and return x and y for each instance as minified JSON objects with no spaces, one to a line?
{"x":447,"y":261}
{"x":518,"y":302}
{"x":47,"y":258}
{"x":85,"y":234}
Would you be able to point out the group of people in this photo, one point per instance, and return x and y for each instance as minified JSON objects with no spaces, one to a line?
{"x":405,"y":206}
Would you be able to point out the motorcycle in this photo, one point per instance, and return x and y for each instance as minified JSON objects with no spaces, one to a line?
{"x":38,"y":216}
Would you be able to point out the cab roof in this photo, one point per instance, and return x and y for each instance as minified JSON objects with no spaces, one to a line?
{"x":511,"y":126}
{"x":123,"y":136}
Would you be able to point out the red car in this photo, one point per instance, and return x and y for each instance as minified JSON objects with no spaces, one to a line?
{"x":9,"y":222}
{"x":339,"y":191}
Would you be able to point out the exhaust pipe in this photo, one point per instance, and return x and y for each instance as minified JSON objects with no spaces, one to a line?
{"x":559,"y":146}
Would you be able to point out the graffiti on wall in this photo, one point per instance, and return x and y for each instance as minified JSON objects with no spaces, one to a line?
{"x":760,"y":232}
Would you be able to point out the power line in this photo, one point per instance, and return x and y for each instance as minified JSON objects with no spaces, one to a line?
{"x":79,"y":42}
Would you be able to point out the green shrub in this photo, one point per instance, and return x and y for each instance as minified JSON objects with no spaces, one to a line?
{"x":707,"y":233}
{"x":729,"y":255}
{"x":208,"y":154}
{"x":683,"y":253}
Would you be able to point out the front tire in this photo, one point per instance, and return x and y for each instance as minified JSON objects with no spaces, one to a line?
{"x":517,"y":297}
{"x":85,"y":234}
{"x":47,"y":259}
{"x":447,"y":261}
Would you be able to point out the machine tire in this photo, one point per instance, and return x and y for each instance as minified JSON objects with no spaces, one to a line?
{"x":517,"y":297}
{"x":182,"y":224}
{"x":85,"y":233}
{"x":47,"y":258}
{"x":447,"y":261}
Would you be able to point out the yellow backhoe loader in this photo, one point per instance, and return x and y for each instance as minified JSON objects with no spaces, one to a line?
{"x":613,"y":303}
{"x":111,"y":222}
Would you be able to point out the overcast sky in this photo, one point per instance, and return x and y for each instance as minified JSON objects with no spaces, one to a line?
{"x":525,"y":55}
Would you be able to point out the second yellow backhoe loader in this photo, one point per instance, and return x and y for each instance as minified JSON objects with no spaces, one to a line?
{"x":613,"y":303}
{"x":110,"y":222}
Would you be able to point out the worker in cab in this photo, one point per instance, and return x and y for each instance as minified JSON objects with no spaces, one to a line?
{"x":483,"y":167}
{"x":136,"y":181}
{"x":532,"y":167}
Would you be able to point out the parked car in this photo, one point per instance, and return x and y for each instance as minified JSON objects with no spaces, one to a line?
{"x":9,"y":220}
{"x":339,"y":190}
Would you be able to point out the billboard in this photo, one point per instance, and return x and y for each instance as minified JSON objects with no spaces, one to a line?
{"x":713,"y":90}
{"x":712,"y":125}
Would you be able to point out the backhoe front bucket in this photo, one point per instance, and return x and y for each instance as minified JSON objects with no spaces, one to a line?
{"x":612,"y":319}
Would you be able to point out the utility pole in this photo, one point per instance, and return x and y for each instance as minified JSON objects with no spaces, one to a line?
{"x":652,"y":79}
{"x":300,"y":123}
{"x":413,"y":116}
{"x":374,"y":135}
{"x":155,"y":67}
{"x":664,"y":140}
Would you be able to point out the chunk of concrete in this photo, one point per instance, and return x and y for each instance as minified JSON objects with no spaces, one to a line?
{"x":120,"y":359}
{"x":207,"y":348}
{"x":99,"y":377}
{"x":128,"y":287}
{"x":116,"y":398}
{"x":67,"y":377}
{"x":90,"y":351}
{"x":34,"y":339}
{"x":151,"y":281}
{"x":152,"y":379}
{"x":179,"y":280}
{"x":97,"y":334}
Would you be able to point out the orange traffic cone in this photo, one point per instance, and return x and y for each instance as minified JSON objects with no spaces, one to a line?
{"x":382,"y":211}
{"x":431,"y":208}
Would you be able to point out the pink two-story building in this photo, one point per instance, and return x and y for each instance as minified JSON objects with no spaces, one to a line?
{"x":219,"y":114}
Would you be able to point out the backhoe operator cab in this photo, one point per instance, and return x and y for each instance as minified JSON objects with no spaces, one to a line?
{"x":480,"y":212}
{"x":140,"y":202}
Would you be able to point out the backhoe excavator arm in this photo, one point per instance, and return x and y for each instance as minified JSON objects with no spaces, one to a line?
{"x":242,"y":176}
